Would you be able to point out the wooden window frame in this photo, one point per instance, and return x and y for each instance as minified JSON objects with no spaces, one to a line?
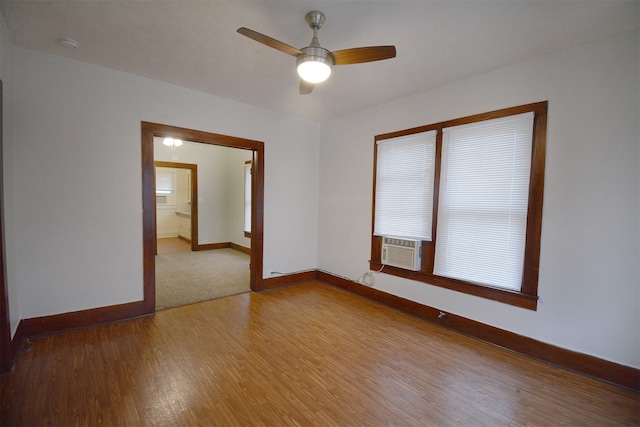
{"x":247,"y":233}
{"x":527,"y":297}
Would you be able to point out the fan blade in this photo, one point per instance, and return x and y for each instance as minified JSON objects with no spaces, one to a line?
{"x":305,"y":87}
{"x":358,"y":55}
{"x":276,"y":44}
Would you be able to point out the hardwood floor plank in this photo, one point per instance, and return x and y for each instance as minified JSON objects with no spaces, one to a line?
{"x":301,"y":355}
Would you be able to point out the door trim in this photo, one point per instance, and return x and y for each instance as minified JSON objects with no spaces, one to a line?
{"x":8,"y":347}
{"x":195,"y":246}
{"x":151,"y":130}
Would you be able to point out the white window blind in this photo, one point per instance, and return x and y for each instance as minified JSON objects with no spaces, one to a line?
{"x":165,"y":180}
{"x":247,"y":197}
{"x":404,"y":186}
{"x":483,"y":200}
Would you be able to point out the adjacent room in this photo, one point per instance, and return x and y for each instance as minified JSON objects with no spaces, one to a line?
{"x":439,"y":226}
{"x":203,"y":221}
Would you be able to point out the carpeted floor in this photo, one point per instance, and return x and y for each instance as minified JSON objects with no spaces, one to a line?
{"x":189,"y":277}
{"x":172,"y":245}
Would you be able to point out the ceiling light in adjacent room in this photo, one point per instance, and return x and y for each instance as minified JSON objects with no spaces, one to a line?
{"x":173,"y":143}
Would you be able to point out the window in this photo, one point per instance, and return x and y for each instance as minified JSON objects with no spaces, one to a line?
{"x":165,"y":186}
{"x":247,"y":198}
{"x":165,"y":181}
{"x":471,"y":189}
{"x":404,"y":186}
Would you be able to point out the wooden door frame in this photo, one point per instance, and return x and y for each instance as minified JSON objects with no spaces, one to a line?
{"x":151,"y":130}
{"x":8,"y":347}
{"x":194,"y":197}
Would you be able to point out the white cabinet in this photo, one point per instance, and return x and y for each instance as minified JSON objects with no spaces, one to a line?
{"x":184,"y":225}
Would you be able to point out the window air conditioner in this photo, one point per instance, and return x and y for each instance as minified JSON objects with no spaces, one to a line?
{"x":403,"y":253}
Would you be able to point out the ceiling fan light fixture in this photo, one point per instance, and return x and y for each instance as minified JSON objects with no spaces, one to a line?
{"x":313,"y":71}
{"x":314,"y":62}
{"x":314,"y":66}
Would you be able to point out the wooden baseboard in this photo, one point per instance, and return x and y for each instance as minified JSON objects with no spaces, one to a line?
{"x":223,"y":245}
{"x":240,"y":248}
{"x":211,"y":246}
{"x":11,"y":353}
{"x":290,"y":279}
{"x":81,"y":319}
{"x":585,"y":364}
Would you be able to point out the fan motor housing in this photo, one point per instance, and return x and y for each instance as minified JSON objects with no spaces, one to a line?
{"x":316,"y":53}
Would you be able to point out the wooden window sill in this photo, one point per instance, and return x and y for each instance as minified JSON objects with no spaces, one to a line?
{"x":506,"y":296}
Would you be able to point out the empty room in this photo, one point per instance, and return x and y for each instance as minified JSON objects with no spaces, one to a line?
{"x":437,"y":204}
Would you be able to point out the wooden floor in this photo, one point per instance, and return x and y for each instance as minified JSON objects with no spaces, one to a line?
{"x":302,"y":355}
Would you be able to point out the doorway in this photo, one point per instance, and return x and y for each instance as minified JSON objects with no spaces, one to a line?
{"x":184,"y":177}
{"x":152,"y":130}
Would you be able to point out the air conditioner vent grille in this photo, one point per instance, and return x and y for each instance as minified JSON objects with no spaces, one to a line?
{"x":403,"y":253}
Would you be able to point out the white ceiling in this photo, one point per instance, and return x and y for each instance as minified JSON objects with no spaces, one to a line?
{"x":194,"y":44}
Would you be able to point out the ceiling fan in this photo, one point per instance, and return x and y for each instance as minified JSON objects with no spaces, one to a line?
{"x":314,"y":62}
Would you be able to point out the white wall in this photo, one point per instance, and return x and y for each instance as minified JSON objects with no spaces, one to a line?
{"x":78,"y":228}
{"x":589,"y":275}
